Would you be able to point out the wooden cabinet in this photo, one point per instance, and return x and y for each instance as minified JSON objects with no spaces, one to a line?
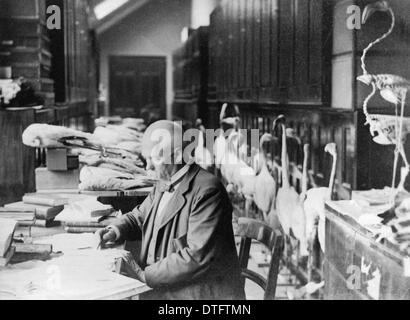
{"x":272,"y":51}
{"x":357,"y":267}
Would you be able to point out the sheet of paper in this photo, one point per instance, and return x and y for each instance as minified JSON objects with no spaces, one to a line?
{"x":81,"y":274}
{"x":67,"y":242}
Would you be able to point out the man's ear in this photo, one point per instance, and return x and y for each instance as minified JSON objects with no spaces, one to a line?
{"x":178,"y":156}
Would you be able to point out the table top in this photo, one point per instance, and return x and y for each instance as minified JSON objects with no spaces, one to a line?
{"x":79,"y":272}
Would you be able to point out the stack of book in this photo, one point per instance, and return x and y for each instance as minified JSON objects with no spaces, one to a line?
{"x":44,"y":207}
{"x":86,"y":216}
{"x":25,"y":220}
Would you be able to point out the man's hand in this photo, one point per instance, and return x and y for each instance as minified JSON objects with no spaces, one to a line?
{"x":103,"y":236}
{"x":133,"y":270}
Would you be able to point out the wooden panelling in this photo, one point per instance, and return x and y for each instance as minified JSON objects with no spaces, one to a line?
{"x":17,"y":161}
{"x":265,"y":42}
{"x":273,"y":50}
{"x":257,"y":29}
{"x":242,"y":44}
{"x":191,"y":65}
{"x":249,"y":27}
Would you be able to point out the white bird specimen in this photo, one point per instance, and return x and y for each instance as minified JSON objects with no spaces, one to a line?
{"x":131,"y":146}
{"x":134,"y":123}
{"x":127,"y":165}
{"x":40,"y":135}
{"x":289,"y":207}
{"x":202,"y":155}
{"x":219,"y":149}
{"x":113,"y":134}
{"x":103,"y":179}
{"x":265,"y":185}
{"x":235,"y":171}
{"x":315,"y":202}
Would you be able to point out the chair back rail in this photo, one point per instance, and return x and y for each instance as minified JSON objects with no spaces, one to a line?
{"x":249,"y":230}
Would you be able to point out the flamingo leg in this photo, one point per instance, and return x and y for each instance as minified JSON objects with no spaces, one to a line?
{"x":400,"y":139}
{"x":404,"y":174}
{"x":396,"y":157}
{"x":393,"y":187}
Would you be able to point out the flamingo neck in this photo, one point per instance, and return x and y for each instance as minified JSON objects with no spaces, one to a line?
{"x":285,"y":169}
{"x":375,"y":42}
{"x":332,"y":177}
{"x":305,"y":172}
{"x":366,"y":102}
{"x":263,"y":152}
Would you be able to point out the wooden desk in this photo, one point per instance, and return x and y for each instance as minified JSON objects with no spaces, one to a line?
{"x":351,"y":248}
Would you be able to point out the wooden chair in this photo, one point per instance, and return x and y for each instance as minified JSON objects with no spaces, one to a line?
{"x":248,"y":230}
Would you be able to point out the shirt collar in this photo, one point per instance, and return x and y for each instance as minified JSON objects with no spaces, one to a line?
{"x":176,"y":179}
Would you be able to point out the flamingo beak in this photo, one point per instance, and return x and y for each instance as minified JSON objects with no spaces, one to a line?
{"x":370,"y":9}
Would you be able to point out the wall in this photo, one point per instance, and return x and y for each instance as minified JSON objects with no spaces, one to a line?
{"x":153,"y":30}
{"x":201,"y":11}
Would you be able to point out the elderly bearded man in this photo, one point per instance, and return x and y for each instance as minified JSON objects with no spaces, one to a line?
{"x":188,"y":248}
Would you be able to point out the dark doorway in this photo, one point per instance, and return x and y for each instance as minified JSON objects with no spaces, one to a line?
{"x":138,"y":87}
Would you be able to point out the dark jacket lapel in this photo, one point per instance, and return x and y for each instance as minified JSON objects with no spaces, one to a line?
{"x":179,"y":200}
{"x":157,"y":198}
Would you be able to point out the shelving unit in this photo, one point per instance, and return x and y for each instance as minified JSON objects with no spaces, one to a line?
{"x":61,"y":68}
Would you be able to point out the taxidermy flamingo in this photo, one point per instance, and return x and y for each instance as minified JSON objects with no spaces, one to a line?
{"x":393,"y":89}
{"x":314,"y":204}
{"x":289,"y":207}
{"x":202,"y":155}
{"x":220,"y":141}
{"x":221,"y":146}
{"x":265,"y":185}
{"x":235,"y":171}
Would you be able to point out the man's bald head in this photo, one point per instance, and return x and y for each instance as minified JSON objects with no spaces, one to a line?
{"x":162,"y":139}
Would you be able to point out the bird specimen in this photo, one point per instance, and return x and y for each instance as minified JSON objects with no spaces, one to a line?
{"x":265,"y":185}
{"x":114,"y":134}
{"x":103,"y":179}
{"x":202,"y":155}
{"x":135,"y":124}
{"x":369,"y":10}
{"x":289,"y":208}
{"x":126,"y":165}
{"x":40,"y":135}
{"x":235,"y":171}
{"x":314,"y":203}
{"x":393,"y":89}
{"x":220,"y":142}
